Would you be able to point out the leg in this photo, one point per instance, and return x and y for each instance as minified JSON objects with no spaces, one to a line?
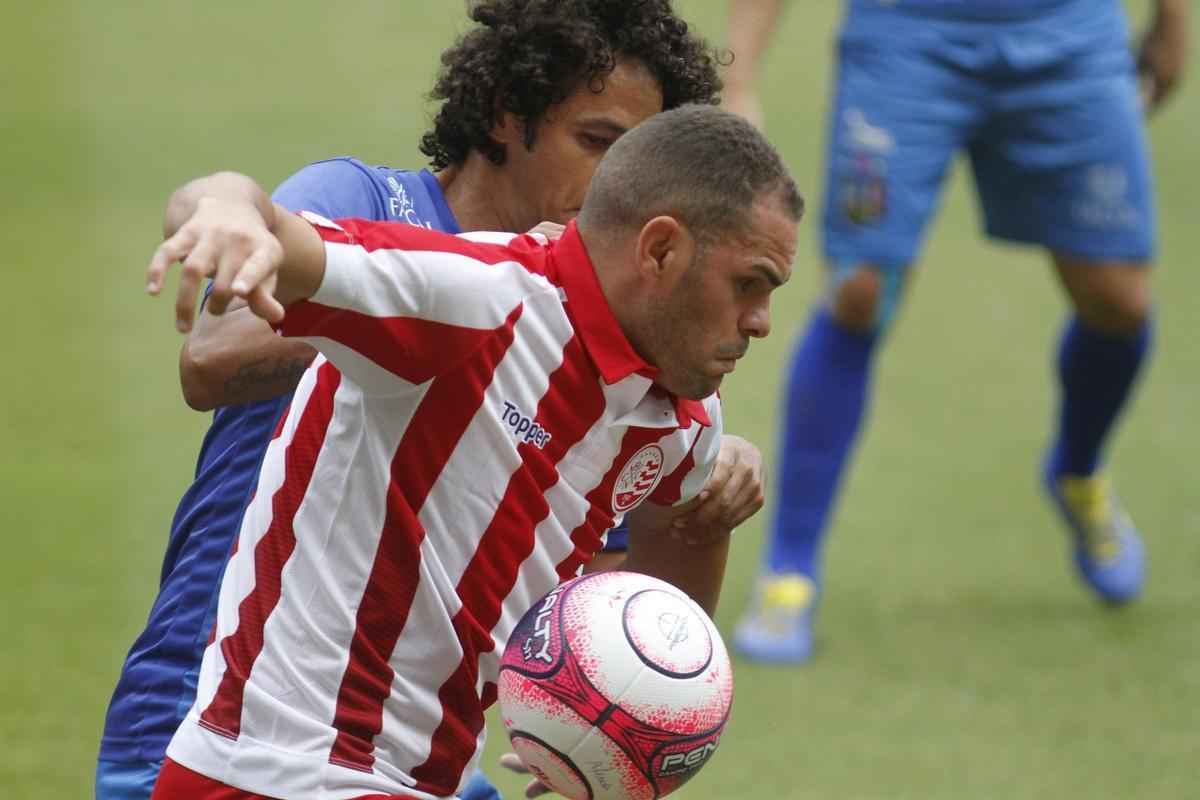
{"x":827,"y":393}
{"x":1064,"y":165}
{"x":1099,"y":359}
{"x":824,"y":409}
{"x":898,"y":118}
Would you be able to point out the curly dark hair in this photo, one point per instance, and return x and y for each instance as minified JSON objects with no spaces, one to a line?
{"x":528,"y":55}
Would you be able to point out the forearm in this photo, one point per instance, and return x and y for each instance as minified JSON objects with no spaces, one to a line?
{"x":696,"y":569}
{"x":237,"y":358}
{"x":303,"y":267}
{"x":751,"y":23}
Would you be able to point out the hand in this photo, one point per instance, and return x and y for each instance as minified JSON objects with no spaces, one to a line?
{"x":1162,"y":55}
{"x":734,"y":492}
{"x":550,"y":231}
{"x":535,"y":788}
{"x":230,"y":242}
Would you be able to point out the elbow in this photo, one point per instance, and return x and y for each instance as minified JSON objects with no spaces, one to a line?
{"x":195,"y":379}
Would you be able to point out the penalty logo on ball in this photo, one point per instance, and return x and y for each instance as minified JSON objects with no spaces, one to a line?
{"x":637,"y":478}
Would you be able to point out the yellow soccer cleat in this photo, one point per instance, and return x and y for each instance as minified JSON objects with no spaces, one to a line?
{"x":1108,"y":550}
{"x":778,"y":627}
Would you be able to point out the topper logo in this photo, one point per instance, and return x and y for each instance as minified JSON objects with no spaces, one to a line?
{"x":524,"y":428}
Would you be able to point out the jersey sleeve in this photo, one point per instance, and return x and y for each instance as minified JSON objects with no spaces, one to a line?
{"x":686,"y":481}
{"x":338,"y":187}
{"x":399,"y":304}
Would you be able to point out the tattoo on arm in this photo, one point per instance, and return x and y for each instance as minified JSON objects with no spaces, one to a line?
{"x":264,"y":378}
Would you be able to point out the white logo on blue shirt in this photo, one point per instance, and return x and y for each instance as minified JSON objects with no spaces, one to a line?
{"x":401,"y":205}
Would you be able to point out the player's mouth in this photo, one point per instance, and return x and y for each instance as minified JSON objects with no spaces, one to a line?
{"x":728,"y":364}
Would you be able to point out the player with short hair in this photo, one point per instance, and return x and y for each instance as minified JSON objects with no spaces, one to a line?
{"x":600,"y":67}
{"x":1043,"y":95}
{"x":481,"y":412}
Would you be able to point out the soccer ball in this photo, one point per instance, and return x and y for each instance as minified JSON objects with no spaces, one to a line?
{"x":615,"y":686}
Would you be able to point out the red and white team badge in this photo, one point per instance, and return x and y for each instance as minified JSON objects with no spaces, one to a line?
{"x":637,"y":478}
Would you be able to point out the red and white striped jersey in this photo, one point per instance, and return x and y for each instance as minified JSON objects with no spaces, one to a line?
{"x":475,"y":423}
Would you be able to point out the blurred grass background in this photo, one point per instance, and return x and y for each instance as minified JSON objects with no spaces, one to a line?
{"x":958,"y":656}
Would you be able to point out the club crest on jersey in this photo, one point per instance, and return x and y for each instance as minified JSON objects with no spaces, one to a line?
{"x":637,"y":478}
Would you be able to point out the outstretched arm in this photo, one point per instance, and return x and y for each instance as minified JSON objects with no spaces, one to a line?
{"x":238,"y":358}
{"x":751,"y":23}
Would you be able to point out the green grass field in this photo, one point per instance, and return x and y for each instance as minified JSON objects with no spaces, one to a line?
{"x":958,"y":656}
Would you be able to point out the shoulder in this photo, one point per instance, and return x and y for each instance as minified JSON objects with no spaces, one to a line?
{"x":338,"y":187}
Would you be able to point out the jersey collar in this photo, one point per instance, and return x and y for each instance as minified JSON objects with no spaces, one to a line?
{"x":602,"y":337}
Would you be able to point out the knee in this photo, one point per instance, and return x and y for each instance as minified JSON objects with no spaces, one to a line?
{"x":857,"y":301}
{"x":1116,"y":300}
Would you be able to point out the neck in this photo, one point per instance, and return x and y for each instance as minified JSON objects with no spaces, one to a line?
{"x":618,"y":285}
{"x":480,"y":195}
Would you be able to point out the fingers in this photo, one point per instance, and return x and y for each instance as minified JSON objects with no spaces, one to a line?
{"x":199,"y":264}
{"x":262,"y":263}
{"x":735,"y":491}
{"x":264,"y":305}
{"x":513,"y":762}
{"x":726,"y":506}
{"x":220,"y":294}
{"x":536,"y":789}
{"x":551,"y":231}
{"x":1152,"y":90}
{"x":174,"y":249}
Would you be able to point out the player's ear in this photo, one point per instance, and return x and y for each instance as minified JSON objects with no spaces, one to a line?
{"x":507,"y":128}
{"x":664,"y":250}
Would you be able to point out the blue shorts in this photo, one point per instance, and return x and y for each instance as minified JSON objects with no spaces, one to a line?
{"x":1046,"y":109}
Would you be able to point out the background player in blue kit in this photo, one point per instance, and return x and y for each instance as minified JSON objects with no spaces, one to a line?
{"x":502,"y":163}
{"x":1047,"y":101}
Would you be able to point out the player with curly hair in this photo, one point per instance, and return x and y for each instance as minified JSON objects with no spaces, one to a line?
{"x":531,"y":98}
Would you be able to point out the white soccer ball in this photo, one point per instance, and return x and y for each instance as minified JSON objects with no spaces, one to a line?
{"x":615,"y":686}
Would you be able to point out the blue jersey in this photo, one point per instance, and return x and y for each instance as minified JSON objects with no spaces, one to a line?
{"x":158,"y":682}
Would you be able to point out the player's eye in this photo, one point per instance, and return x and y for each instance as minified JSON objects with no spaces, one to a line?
{"x":596,"y":142}
{"x":745,"y":285}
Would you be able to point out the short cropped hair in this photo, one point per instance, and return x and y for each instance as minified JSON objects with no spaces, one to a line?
{"x":527,"y":55}
{"x":699,"y":164}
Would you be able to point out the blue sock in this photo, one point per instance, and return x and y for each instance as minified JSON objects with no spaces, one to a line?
{"x":826,"y":398}
{"x":1096,"y":371}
